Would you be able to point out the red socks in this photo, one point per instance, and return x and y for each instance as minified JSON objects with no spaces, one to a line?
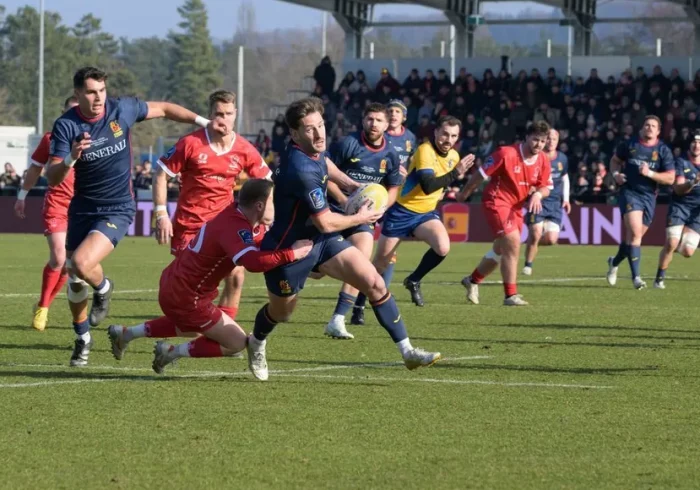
{"x":477,"y":276}
{"x":510,"y":289}
{"x":161,"y":328}
{"x":204,"y":347}
{"x":231,"y":311}
{"x":52,"y":281}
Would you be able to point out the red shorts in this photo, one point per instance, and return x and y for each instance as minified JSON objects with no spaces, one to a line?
{"x":189,"y":315}
{"x":55,"y":219}
{"x":179,"y":241}
{"x":503,"y":219}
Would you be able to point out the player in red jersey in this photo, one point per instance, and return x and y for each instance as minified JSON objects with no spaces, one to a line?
{"x":189,"y":285}
{"x":55,"y":215}
{"x":513,"y":171}
{"x":208,"y":163}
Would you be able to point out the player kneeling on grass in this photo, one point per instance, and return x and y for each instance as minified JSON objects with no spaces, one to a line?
{"x":683,"y":224}
{"x":544,"y":227}
{"x":189,"y":285}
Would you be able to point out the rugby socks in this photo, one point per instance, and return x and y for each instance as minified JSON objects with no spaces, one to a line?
{"x":264,"y":325}
{"x":159,"y":328}
{"x":622,"y":252}
{"x":528,"y":264}
{"x":103,"y":287}
{"x":204,"y":347}
{"x":345,"y":302}
{"x":660,"y":275}
{"x":387,"y":275}
{"x":388,"y":315}
{"x":82,"y":330}
{"x":429,"y":262}
{"x":361,"y":301}
{"x":476,"y":277}
{"x":50,"y":278}
{"x":59,"y":285}
{"x":231,"y":311}
{"x":634,"y":258}
{"x":510,"y":289}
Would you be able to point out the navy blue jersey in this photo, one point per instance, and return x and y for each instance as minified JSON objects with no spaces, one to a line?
{"x":560,"y":168}
{"x":103,"y":172}
{"x":658,"y":157}
{"x":687,"y":169}
{"x":404,"y":145}
{"x":300,"y":192}
{"x":364,"y":164}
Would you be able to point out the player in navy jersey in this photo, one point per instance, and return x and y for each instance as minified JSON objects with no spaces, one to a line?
{"x":683,"y":222}
{"x":639,"y":167}
{"x":403,"y":141}
{"x":544,"y":226}
{"x":303,"y":212}
{"x":94,"y":138}
{"x":365,"y":157}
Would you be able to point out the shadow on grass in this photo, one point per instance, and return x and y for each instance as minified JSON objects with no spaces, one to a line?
{"x":563,"y":326}
{"x":555,"y":344}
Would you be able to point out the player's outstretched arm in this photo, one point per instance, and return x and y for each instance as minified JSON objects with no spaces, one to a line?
{"x":338,"y":177}
{"x":262,"y":261}
{"x":616,"y":169}
{"x":33,"y":173}
{"x":174,"y":112}
{"x":329,"y":222}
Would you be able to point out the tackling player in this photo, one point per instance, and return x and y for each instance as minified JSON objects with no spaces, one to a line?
{"x":189,"y":285}
{"x":403,"y":141}
{"x":94,"y":137}
{"x":55,"y":216}
{"x":639,"y":166}
{"x":434,"y":166}
{"x":364,"y":157}
{"x":209,"y":162}
{"x":303,"y":213}
{"x":683,"y":224}
{"x":544,"y":227}
{"x":511,"y":172}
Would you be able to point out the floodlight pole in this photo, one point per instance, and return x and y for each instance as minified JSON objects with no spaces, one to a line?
{"x":40,"y":108}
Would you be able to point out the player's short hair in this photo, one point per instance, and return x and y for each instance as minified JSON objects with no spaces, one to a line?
{"x":653,"y":118}
{"x":539,"y":128}
{"x":254,"y":190}
{"x":225,"y":96}
{"x":70,"y":99}
{"x":375,"y":107}
{"x":88,"y":73}
{"x":301,"y":108}
{"x":449,"y":121}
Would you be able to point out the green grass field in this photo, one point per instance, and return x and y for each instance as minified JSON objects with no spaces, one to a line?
{"x":591,"y":387}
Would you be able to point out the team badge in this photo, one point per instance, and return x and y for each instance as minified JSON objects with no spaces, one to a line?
{"x":629,"y":207}
{"x":382,"y":167}
{"x":488,"y":163}
{"x":246,"y":236}
{"x":285,"y":287}
{"x":116,"y":129}
{"x":235,"y":163}
{"x":202,"y":158}
{"x":560,"y":166}
{"x":655,"y":156}
{"x":318,"y":199}
{"x":409,"y":147}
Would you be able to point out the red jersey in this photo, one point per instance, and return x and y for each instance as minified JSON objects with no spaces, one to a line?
{"x":512,"y":176}
{"x":221,"y":244}
{"x":208,"y":177}
{"x":56,"y":196}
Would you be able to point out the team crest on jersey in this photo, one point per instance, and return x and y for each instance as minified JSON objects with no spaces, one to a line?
{"x":488,"y":163}
{"x":235,"y":163}
{"x":450,"y":163}
{"x":654,"y":156}
{"x":318,"y":199}
{"x":285,"y":287}
{"x":629,"y":207}
{"x":246,"y":236}
{"x":382,"y":166}
{"x":202,"y":158}
{"x":409,"y":147}
{"x":560,"y":166}
{"x":116,"y":129}
{"x":170,"y":152}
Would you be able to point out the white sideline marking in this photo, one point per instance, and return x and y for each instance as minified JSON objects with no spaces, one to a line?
{"x":447,"y":381}
{"x":194,"y":374}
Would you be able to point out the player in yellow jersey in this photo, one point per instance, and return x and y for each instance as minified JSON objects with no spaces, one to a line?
{"x":434,"y":166}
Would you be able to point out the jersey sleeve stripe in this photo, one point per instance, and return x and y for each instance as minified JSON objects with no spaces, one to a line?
{"x":323,"y":211}
{"x":483,"y":174}
{"x":37,"y":164}
{"x":166,"y":169}
{"x":242,"y":253}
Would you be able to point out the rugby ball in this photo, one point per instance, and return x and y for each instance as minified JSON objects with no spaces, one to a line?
{"x":376,"y":194}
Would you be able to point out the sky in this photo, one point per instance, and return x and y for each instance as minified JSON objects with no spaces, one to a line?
{"x":145,"y":18}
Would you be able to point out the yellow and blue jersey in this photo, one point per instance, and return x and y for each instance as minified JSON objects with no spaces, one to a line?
{"x":426,"y":159}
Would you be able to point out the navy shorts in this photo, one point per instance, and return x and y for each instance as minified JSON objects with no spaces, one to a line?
{"x":289,"y":279}
{"x":638,"y":201}
{"x":400,"y":222}
{"x":679,"y":214}
{"x":112,"y":221}
{"x":358,"y":229}
{"x":551,"y":211}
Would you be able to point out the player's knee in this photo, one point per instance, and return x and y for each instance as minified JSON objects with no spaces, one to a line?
{"x":549,"y":239}
{"x":281,"y":312}
{"x":236,"y":278}
{"x":79,"y":267}
{"x":77,"y":290}
{"x":442,"y":248}
{"x":689,"y":243}
{"x":492,"y":255}
{"x":375,"y":288}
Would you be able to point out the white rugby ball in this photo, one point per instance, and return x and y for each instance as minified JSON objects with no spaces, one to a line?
{"x":376,"y":194}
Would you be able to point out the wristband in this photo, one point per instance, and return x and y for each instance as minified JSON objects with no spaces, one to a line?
{"x":201,"y":121}
{"x":161,"y":207}
{"x":616,"y":173}
{"x":161,"y":216}
{"x":68,"y":161}
{"x":538,"y":193}
{"x":22,"y":194}
{"x":651,"y":174}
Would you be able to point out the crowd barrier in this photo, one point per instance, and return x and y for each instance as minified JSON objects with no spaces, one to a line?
{"x":592,"y":224}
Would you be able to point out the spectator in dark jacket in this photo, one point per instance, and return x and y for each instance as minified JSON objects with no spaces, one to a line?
{"x":387,"y":80}
{"x":324,"y":74}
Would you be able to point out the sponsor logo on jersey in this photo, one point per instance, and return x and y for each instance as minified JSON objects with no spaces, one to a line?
{"x":355,"y":160}
{"x":488,"y":163}
{"x":235,"y":163}
{"x":202,"y":158}
{"x":318,"y":199}
{"x":170,"y":152}
{"x":285,"y":288}
{"x":382,"y":166}
{"x":116,"y":129}
{"x":367,"y":169}
{"x":104,"y":152}
{"x":324,"y":179}
{"x":246,"y":236}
